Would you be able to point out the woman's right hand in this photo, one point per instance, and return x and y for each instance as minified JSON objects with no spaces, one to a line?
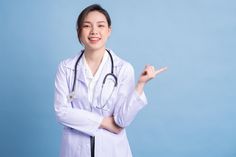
{"x":109,"y":124}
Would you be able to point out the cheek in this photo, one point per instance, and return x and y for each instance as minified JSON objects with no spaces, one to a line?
{"x":83,"y":34}
{"x":82,"y":39}
{"x":106,"y":33}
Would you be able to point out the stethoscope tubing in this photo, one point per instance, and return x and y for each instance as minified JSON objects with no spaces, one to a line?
{"x":104,"y":80}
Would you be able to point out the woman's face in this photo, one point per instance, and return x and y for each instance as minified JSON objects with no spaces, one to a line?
{"x":95,"y":31}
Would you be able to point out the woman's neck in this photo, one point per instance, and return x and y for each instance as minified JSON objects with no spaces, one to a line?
{"x":94,"y":58}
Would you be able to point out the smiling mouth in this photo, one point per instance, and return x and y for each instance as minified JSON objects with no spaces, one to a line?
{"x":94,"y":39}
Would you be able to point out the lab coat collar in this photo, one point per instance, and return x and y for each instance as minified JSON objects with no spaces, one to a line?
{"x":70,"y":64}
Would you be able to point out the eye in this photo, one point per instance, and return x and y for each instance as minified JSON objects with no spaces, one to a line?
{"x":86,"y":26}
{"x":100,"y":26}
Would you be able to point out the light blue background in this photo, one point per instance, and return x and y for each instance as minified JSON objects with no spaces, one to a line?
{"x":192,"y":106}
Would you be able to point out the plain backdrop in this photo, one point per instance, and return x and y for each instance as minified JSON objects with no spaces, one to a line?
{"x":192,"y":106}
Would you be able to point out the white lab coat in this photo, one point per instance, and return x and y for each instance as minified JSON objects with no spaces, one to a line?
{"x":82,"y":119}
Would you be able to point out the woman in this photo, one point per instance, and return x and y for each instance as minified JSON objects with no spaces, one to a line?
{"x":95,"y":96}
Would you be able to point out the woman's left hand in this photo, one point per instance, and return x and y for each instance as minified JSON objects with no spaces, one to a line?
{"x":148,"y":73}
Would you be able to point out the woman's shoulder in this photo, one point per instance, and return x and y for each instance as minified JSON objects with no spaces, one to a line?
{"x":69,"y":62}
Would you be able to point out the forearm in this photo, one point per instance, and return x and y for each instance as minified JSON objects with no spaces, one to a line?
{"x":129,"y":106}
{"x":129,"y":99}
{"x":81,"y":120}
{"x":139,"y":88}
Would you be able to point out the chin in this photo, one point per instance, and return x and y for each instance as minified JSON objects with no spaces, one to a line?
{"x":95,"y":47}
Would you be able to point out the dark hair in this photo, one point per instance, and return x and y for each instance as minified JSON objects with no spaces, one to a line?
{"x":84,"y":13}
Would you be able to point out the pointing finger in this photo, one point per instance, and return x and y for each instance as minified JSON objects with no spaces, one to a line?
{"x":160,"y":70}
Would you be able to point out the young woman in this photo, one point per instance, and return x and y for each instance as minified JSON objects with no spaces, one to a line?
{"x":95,"y":94}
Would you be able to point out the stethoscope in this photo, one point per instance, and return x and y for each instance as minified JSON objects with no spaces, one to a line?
{"x":72,"y":95}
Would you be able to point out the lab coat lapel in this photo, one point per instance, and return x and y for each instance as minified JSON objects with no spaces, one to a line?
{"x":80,"y":73}
{"x":80,"y":69}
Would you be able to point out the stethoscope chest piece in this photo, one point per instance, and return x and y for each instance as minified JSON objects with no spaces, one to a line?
{"x":72,"y":95}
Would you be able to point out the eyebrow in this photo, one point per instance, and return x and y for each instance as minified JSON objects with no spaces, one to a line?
{"x":96,"y":22}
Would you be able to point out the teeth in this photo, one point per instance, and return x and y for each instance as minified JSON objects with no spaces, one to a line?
{"x":93,"y":39}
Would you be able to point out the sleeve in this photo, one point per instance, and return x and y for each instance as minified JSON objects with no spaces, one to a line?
{"x":128,"y":103}
{"x":81,"y":120}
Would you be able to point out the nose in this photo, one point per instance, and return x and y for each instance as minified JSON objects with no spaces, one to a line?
{"x":94,"y":31}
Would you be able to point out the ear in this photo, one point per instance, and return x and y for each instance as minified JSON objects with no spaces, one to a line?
{"x":109,"y":31}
